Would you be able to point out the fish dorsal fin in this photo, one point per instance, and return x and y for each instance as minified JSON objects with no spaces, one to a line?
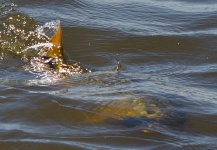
{"x":56,"y":40}
{"x":57,"y":37}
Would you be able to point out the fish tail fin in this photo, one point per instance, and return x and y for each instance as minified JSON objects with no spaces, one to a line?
{"x":56,"y":40}
{"x":57,"y":37}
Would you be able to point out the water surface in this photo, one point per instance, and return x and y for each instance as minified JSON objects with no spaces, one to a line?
{"x":164,"y":97}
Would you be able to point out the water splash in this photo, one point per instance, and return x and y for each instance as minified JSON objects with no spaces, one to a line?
{"x":32,"y":43}
{"x":18,"y":33}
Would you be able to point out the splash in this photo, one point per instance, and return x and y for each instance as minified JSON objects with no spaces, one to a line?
{"x":41,"y":46}
{"x":18,"y":32}
{"x":51,"y":53}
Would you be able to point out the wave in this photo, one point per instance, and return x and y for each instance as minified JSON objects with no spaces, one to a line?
{"x":132,"y":17}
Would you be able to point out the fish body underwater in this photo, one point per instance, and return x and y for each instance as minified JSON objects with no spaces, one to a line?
{"x":43,"y":49}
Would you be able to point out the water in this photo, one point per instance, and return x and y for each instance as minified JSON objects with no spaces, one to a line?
{"x":164,"y":97}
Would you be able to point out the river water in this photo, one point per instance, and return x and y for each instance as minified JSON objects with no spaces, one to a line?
{"x":164,"y":96}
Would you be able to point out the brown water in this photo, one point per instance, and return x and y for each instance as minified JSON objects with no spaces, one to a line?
{"x":163,"y":98}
